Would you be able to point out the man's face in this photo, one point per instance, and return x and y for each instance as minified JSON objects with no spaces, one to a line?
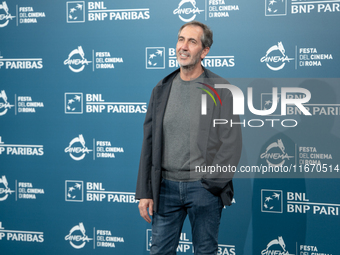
{"x":189,"y":49}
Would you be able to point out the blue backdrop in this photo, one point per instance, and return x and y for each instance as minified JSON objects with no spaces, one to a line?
{"x":76,"y":77}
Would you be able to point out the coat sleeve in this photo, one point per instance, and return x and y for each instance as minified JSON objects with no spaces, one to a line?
{"x":227,"y":151}
{"x":144,"y":188}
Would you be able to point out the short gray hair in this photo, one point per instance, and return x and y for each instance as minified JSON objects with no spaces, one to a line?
{"x":207,"y":36}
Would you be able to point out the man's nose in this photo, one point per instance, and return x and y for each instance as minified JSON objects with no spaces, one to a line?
{"x":185,"y":45}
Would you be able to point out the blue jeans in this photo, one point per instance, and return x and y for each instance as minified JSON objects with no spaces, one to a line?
{"x":177,"y":199}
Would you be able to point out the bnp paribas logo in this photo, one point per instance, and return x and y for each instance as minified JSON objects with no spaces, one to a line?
{"x":276,"y":7}
{"x":204,"y":97}
{"x":155,"y":57}
{"x":75,"y":11}
{"x":271,"y":201}
{"x":73,"y":103}
{"x":74,"y":191}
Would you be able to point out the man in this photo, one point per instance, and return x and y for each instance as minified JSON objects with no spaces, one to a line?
{"x":180,"y":144}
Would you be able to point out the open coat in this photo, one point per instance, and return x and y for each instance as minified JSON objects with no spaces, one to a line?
{"x":220,"y":145}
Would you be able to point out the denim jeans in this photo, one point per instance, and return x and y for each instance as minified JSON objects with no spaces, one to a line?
{"x":177,"y":199}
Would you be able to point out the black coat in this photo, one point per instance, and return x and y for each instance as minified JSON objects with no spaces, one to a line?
{"x":220,"y":145}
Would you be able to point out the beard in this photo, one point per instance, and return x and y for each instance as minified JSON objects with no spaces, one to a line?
{"x":195,"y":59}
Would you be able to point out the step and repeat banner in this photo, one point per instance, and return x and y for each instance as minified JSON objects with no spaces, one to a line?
{"x":75,"y":82}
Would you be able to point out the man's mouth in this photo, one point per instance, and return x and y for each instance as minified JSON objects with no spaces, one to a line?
{"x":184,"y":55}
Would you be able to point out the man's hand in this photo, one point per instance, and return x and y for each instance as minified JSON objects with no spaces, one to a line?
{"x":144,"y":204}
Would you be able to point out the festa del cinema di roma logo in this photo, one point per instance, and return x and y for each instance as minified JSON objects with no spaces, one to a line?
{"x":6,"y":190}
{"x":77,"y":236}
{"x":276,"y":246}
{"x":275,"y":57}
{"x":187,"y":10}
{"x":76,"y":60}
{"x":101,"y":238}
{"x":5,"y":105}
{"x":5,"y":15}
{"x":275,"y":154}
{"x":77,"y":152}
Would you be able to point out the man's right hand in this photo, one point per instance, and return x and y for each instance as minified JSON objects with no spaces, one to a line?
{"x":143,"y":206}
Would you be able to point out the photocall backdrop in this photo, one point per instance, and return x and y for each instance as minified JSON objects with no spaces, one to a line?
{"x":76,"y":77}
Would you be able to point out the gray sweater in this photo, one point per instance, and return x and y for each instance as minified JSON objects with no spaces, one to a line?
{"x":180,"y":131}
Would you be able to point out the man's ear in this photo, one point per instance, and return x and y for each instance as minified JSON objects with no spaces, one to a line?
{"x":205,"y":51}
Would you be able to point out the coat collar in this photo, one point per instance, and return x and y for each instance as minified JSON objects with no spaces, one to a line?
{"x":169,"y":78}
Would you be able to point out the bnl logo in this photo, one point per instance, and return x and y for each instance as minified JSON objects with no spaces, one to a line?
{"x":75,"y":11}
{"x":276,"y":7}
{"x":155,"y":57}
{"x":74,"y":191}
{"x":73,"y":103}
{"x":271,"y":201}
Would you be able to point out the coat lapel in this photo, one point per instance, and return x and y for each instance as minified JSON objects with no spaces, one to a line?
{"x":162,"y":96}
{"x":205,"y":122}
